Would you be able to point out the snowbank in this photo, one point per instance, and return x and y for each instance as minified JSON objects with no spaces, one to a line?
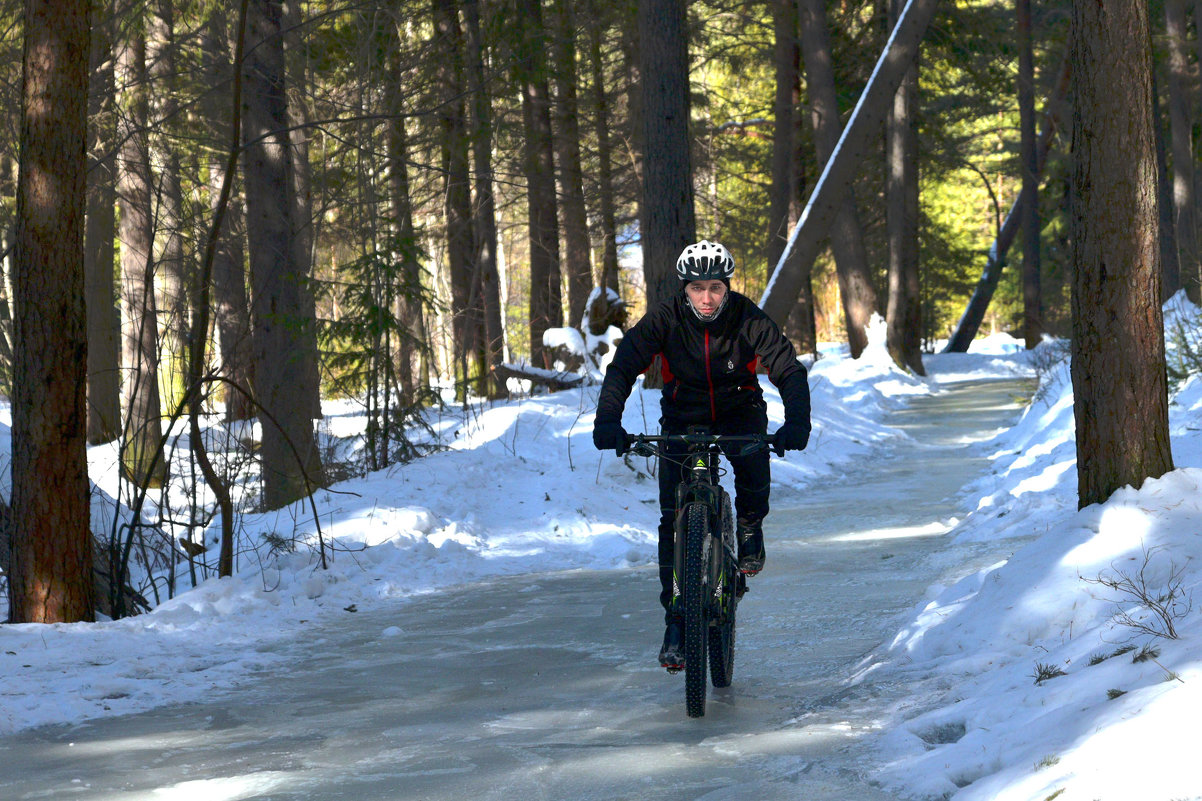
{"x":1051,"y":674}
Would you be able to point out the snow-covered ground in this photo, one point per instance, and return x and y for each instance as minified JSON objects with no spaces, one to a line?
{"x":520,"y":489}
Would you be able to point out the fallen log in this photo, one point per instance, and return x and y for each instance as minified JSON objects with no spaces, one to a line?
{"x":552,"y":379}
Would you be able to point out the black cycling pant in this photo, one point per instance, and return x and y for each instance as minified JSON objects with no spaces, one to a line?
{"x":752,"y":480}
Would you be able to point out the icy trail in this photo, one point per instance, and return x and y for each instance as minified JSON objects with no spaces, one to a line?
{"x":545,"y":687}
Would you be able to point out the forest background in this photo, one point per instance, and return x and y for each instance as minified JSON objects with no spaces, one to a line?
{"x":416,"y":203}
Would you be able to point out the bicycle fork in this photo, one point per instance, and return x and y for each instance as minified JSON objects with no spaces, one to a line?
{"x":702,"y":491}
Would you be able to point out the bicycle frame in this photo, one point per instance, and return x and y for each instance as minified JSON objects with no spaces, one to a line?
{"x":706,"y":582}
{"x":699,"y":484}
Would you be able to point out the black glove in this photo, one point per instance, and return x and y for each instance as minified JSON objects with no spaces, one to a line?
{"x":610,"y":436}
{"x":791,"y":437}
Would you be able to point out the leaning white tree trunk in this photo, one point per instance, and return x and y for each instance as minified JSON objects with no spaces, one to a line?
{"x":860,"y":133}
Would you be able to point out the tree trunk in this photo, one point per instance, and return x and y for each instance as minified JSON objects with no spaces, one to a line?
{"x":827,"y":195}
{"x":104,"y":316}
{"x":409,"y":294}
{"x":605,"y":181}
{"x":51,"y":578}
{"x":7,"y":359}
{"x":668,"y":221}
{"x":903,"y":336}
{"x":1170,"y":267}
{"x":176,"y":275}
{"x":141,"y":460}
{"x":102,"y":576}
{"x":632,"y":93}
{"x":231,"y":307}
{"x":801,"y":325}
{"x":1118,"y":367}
{"x":546,"y":305}
{"x":1181,"y":146}
{"x":304,"y":221}
{"x":485,"y":206}
{"x":281,"y":330}
{"x":1032,"y":289}
{"x":786,"y":57}
{"x":856,"y":286}
{"x":576,"y":248}
{"x":457,"y":195}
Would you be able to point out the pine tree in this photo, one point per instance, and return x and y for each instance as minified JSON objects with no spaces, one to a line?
{"x":1118,"y":367}
{"x":51,"y":566}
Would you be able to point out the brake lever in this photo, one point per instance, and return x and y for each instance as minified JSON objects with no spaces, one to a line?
{"x":642,"y":449}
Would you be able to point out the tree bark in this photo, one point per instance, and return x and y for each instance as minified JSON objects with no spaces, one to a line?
{"x":1032,"y":287}
{"x":485,"y":216}
{"x":903,"y":337}
{"x":467,"y":321}
{"x":786,"y":58}
{"x":1185,"y":216}
{"x":827,"y":195}
{"x":546,"y":305}
{"x":281,"y":330}
{"x":231,"y":307}
{"x":576,"y":247}
{"x":409,"y":295}
{"x":1170,"y":267}
{"x":102,"y":577}
{"x":1118,"y":367}
{"x":141,"y":460}
{"x":801,"y":325}
{"x":304,"y":221}
{"x":51,"y":578}
{"x":605,"y":180}
{"x":856,"y":287}
{"x":175,"y":272}
{"x":668,"y":221}
{"x":104,"y":316}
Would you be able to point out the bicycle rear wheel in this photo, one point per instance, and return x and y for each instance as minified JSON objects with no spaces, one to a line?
{"x":696,"y":619}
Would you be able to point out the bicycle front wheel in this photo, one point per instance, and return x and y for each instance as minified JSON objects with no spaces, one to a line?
{"x":722,"y":633}
{"x":696,"y":619}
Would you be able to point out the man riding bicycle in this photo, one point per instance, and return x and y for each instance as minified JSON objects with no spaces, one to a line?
{"x":710,"y":341}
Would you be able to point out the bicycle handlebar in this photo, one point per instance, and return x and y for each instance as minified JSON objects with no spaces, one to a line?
{"x":645,"y":444}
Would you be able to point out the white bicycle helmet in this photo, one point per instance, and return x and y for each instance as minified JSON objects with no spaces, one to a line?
{"x":705,"y":261}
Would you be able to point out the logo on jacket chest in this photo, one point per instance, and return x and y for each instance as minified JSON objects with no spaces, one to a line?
{"x":730,"y":365}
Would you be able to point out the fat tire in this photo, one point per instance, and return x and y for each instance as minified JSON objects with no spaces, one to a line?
{"x":722,"y":634}
{"x":696,"y":619}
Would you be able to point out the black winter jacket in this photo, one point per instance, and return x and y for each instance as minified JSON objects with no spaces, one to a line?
{"x":709,"y":368}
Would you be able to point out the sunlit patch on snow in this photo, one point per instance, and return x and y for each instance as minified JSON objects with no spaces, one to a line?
{"x":227,"y":788}
{"x":1122,"y":530}
{"x":902,"y":532}
{"x":786,"y":742}
{"x":1047,"y":479}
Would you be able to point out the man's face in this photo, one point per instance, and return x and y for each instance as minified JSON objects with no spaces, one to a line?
{"x":706,"y":296}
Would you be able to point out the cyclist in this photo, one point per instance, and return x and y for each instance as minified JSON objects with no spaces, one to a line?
{"x":710,"y":341}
